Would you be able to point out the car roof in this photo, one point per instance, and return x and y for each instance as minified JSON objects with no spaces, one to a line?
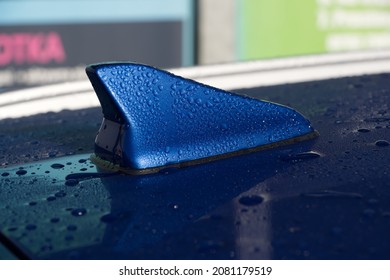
{"x":321,"y":199}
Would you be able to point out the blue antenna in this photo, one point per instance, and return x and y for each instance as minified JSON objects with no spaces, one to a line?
{"x":155,"y":120}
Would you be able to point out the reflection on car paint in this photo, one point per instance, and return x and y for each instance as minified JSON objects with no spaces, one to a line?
{"x":323,"y":199}
{"x":120,"y":214}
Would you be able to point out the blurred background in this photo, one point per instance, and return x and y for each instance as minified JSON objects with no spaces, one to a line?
{"x":43,"y":41}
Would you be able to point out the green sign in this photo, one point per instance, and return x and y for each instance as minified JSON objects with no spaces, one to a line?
{"x":295,"y":27}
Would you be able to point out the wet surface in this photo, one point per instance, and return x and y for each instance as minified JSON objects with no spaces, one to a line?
{"x":323,"y":199}
{"x":162,"y":119}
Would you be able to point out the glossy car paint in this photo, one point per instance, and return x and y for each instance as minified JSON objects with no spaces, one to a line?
{"x":323,"y":199}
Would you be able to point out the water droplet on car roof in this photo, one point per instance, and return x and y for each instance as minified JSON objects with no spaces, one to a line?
{"x":382,"y":143}
{"x":251,"y":200}
{"x":57,"y":166}
{"x":78,"y":212}
{"x":301,"y":156}
{"x":21,"y":172}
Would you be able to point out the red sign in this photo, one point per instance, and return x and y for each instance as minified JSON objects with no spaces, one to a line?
{"x":31,"y":48}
